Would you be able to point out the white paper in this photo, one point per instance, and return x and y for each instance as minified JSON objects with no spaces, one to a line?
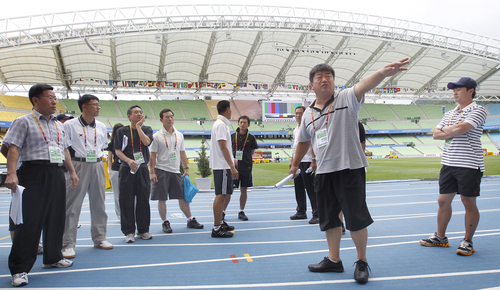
{"x":285,"y":180}
{"x":125,"y":142}
{"x":16,"y":206}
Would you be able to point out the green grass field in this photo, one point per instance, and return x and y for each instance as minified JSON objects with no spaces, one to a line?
{"x":379,"y":169}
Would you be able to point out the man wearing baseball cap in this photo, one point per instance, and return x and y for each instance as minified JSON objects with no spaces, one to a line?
{"x":463,"y":164}
{"x":64,"y":117}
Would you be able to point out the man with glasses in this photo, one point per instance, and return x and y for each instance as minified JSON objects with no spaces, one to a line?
{"x":42,"y":142}
{"x":87,"y":138}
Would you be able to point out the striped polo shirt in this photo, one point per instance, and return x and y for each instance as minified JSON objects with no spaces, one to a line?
{"x":465,"y":150}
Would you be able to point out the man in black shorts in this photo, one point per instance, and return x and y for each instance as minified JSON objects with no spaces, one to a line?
{"x":330,"y":124}
{"x":463,"y":164}
{"x":244,"y":145}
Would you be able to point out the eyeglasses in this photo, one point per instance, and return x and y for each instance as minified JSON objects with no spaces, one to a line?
{"x":51,"y":99}
{"x":95,"y":105}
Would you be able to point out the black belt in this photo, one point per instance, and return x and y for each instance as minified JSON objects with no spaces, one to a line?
{"x":42,"y":162}
{"x":85,"y":159}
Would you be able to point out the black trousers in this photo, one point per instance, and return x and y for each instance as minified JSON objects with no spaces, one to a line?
{"x":44,"y":207}
{"x":303,"y":182}
{"x":135,"y":190}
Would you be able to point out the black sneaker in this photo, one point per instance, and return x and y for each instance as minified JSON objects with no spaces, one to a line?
{"x":194,"y":224}
{"x":327,"y":266}
{"x":361,"y":272}
{"x":314,"y":220}
{"x":166,"y":227}
{"x":221,"y":233}
{"x":343,"y":229}
{"x":242,"y":216}
{"x":226,"y":227}
{"x":299,"y":216}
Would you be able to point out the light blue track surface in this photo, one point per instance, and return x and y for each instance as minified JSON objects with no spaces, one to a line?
{"x":280,"y":249}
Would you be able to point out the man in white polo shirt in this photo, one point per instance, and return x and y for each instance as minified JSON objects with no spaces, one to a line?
{"x":463,"y":164}
{"x":167,"y":152}
{"x":221,"y":162}
{"x":87,"y":139}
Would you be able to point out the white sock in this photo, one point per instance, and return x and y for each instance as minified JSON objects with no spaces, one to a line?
{"x":216,"y":228}
{"x":190,"y":218}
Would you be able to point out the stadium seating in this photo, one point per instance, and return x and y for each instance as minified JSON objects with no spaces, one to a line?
{"x":274,"y":126}
{"x":15,"y":102}
{"x":379,"y":151}
{"x":249,"y":108}
{"x":363,"y":114}
{"x":379,"y":126}
{"x":436,"y":111}
{"x":192,"y":126}
{"x":381,"y":140}
{"x":490,"y":147}
{"x":380,"y":112}
{"x":72,"y":105}
{"x":404,"y":111}
{"x":495,"y":136}
{"x":485,"y":138}
{"x":407,"y":151}
{"x":428,"y":140}
{"x":10,"y":116}
{"x":494,"y":109}
{"x":212,"y":108}
{"x":492,"y":121}
{"x":406,"y":125}
{"x":146,"y":108}
{"x":171,"y":104}
{"x":404,"y":139}
{"x":195,"y":109}
{"x":429,"y":124}
{"x":429,"y":149}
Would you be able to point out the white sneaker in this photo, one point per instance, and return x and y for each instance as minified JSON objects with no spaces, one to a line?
{"x":69,"y":253}
{"x":145,"y":236}
{"x":19,"y":279}
{"x":105,"y":245}
{"x":64,"y":263}
{"x":130,"y":238}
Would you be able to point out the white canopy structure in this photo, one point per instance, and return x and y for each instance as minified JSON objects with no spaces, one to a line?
{"x":236,"y":50}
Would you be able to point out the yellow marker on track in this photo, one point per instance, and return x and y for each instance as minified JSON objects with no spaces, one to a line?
{"x":248,"y":258}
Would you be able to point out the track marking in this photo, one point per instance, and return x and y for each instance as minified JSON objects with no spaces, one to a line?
{"x":248,"y":257}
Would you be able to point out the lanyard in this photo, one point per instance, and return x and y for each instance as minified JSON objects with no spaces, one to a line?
{"x":166,"y":143}
{"x":452,"y":114}
{"x":132,"y":137}
{"x":327,"y":116}
{"x":242,"y":149}
{"x":44,"y":137}
{"x":95,"y":136}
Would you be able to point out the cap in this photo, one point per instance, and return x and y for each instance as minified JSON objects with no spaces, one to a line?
{"x":64,"y":117}
{"x":463,"y":82}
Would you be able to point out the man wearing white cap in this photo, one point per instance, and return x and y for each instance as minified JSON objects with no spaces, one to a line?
{"x":463,"y":164}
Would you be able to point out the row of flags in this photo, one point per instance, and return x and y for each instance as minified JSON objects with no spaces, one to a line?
{"x":257,"y":86}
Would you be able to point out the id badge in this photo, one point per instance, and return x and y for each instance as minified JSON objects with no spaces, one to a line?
{"x":172,"y":156}
{"x":55,"y":154}
{"x":91,"y":156}
{"x":447,"y":143}
{"x":239,"y":155}
{"x":139,"y":157}
{"x":322,"y":138}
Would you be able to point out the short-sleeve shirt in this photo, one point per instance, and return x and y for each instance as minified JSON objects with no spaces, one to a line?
{"x":125,"y":131}
{"x":220,"y":131}
{"x":25,"y":133}
{"x":308,"y":156}
{"x":465,"y":150}
{"x":116,"y":161}
{"x":343,"y":150}
{"x":83,"y":136}
{"x":251,"y":144}
{"x":175,"y":146}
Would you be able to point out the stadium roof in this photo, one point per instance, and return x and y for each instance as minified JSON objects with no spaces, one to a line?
{"x":236,"y":50}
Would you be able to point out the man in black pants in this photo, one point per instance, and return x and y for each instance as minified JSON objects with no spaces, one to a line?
{"x":306,"y":180}
{"x":42,"y":142}
{"x":131,"y":146}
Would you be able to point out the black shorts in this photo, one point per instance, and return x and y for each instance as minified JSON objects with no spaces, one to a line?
{"x":464,"y":181}
{"x":245,"y":177}
{"x":223,"y":181}
{"x":169,"y":186}
{"x":342,"y":190}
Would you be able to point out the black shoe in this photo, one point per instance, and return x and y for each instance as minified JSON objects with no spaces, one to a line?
{"x":242,"y":216}
{"x":299,"y":216}
{"x":221,"y":233}
{"x":194,"y":224}
{"x":343,"y":229}
{"x":327,"y":266}
{"x":314,"y":220}
{"x":361,"y":272}
{"x":226,"y":227}
{"x":166,"y":227}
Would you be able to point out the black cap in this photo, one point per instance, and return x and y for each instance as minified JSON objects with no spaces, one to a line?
{"x":463,"y":82}
{"x":64,"y":117}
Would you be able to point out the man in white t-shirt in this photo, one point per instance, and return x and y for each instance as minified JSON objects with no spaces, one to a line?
{"x":221,"y":162}
{"x":330,"y":124}
{"x":167,"y":152}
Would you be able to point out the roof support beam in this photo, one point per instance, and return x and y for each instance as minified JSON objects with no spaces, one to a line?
{"x":432,"y":82}
{"x":63,"y":75}
{"x":487,"y":75}
{"x":208,"y":56}
{"x":114,"y":73}
{"x":368,"y":64}
{"x":161,"y":75}
{"x":280,"y":78}
{"x":2,"y":77}
{"x":392,"y":82}
{"x":332,"y":58}
{"x":243,"y":76}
